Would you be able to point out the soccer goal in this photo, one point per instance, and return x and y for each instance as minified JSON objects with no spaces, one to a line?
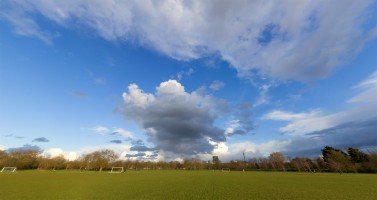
{"x":225,"y":170}
{"x":8,"y":169}
{"x":117,"y":170}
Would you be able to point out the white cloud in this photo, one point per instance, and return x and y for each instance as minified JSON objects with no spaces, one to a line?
{"x":137,"y":96}
{"x":101,"y":130}
{"x":290,"y":116}
{"x":227,"y":152}
{"x":221,"y":149}
{"x":263,"y":98}
{"x":316,"y":120}
{"x":122,"y":133}
{"x":113,"y":131}
{"x":232,"y":126}
{"x":26,"y":26}
{"x":170,"y":87}
{"x":371,"y":81}
{"x":303,"y":123}
{"x":216,"y":85}
{"x":301,"y":40}
{"x":54,"y":152}
{"x":262,"y":149}
{"x":182,"y":74}
{"x":120,"y":149}
{"x":369,"y":90}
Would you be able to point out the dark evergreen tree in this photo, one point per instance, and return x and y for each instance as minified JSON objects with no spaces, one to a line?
{"x":327,"y":151}
{"x":357,"y":156}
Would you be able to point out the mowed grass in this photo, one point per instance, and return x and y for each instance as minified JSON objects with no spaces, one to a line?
{"x":185,"y":185}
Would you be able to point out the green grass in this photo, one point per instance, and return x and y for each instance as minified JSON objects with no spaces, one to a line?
{"x":185,"y":185}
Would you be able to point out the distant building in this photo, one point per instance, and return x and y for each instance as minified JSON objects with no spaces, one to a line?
{"x":215,"y":162}
{"x":215,"y":159}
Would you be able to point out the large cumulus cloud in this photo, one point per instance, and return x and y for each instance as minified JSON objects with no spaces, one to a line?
{"x":302,"y":40}
{"x":175,"y":120}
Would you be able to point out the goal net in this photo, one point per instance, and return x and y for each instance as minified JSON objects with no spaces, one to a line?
{"x":8,"y":169}
{"x":117,"y":170}
{"x":225,"y":170}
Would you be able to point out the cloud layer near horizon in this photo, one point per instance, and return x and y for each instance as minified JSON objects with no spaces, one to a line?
{"x":302,"y":40}
{"x":352,"y":127}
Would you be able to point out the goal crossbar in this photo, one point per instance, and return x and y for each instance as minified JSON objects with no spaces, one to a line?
{"x":8,"y":169}
{"x":117,"y":170}
{"x":225,"y":170}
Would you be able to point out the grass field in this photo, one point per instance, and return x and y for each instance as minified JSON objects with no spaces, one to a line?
{"x":185,"y":185}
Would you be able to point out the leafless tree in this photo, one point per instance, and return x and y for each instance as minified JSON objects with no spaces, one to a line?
{"x":277,"y":160}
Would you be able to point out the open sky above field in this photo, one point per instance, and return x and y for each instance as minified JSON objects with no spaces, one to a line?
{"x":172,"y":79}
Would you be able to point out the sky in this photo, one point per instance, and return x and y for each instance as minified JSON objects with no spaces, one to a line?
{"x":167,"y":80}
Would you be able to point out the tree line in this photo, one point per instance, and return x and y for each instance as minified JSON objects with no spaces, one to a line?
{"x":332,"y":160}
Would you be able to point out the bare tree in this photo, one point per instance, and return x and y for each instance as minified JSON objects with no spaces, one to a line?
{"x":277,"y":160}
{"x":3,"y":158}
{"x":263,"y":163}
{"x":23,"y":159}
{"x":302,"y":164}
{"x":99,"y":160}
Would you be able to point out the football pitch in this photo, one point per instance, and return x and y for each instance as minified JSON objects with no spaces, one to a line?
{"x":165,"y":184}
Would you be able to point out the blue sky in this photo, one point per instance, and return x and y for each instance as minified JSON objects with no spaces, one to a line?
{"x":163,"y":80}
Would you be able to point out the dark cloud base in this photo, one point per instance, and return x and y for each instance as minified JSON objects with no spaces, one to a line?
{"x":26,"y":147}
{"x":116,"y":141}
{"x":41,"y":139}
{"x":180,"y":122}
{"x":357,"y":134}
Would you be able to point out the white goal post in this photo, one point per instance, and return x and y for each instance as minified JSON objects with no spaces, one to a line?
{"x":225,"y":170}
{"x":8,"y":169}
{"x":117,"y":170}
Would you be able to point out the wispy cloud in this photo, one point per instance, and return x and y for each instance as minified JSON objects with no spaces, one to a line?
{"x":263,"y":97}
{"x":122,"y":133}
{"x":113,"y":131}
{"x":101,"y":130}
{"x":99,"y":80}
{"x":290,"y":116}
{"x":364,"y":108}
{"x":216,"y":85}
{"x":79,"y":94}
{"x":14,"y":136}
{"x":355,"y":126}
{"x":368,"y":90}
{"x":26,"y":26}
{"x":183,"y":74}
